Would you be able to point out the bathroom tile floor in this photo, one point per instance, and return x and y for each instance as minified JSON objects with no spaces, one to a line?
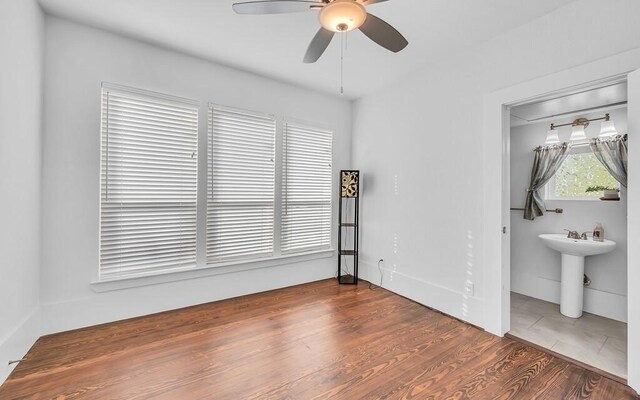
{"x":594,"y":340}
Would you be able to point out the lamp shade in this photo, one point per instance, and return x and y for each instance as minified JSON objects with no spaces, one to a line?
{"x":552,"y":137}
{"x":607,"y":129}
{"x":342,"y":15}
{"x":350,"y":183}
{"x":578,"y":134}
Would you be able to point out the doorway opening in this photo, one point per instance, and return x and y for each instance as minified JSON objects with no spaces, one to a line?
{"x":576,"y":311}
{"x":496,"y":185}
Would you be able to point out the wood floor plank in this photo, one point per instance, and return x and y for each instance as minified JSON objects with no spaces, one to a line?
{"x":319,"y":340}
{"x":488,"y":383}
{"x":438,"y":368}
{"x":367,"y":350}
{"x":353,"y":353}
{"x":164,"y":326}
{"x":524,"y":376}
{"x":380,"y":369}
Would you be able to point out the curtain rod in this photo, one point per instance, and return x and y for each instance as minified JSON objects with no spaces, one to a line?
{"x":556,"y":210}
{"x":582,"y":144}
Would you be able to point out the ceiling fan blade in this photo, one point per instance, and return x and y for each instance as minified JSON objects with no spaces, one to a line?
{"x":318,"y":45}
{"x":367,"y":2}
{"x":275,"y":6}
{"x":384,"y":34}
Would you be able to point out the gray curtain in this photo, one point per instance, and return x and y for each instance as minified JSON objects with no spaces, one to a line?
{"x":546,"y":162}
{"x":612,"y":153}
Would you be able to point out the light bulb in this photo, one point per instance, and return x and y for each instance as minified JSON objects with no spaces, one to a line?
{"x":342,"y":15}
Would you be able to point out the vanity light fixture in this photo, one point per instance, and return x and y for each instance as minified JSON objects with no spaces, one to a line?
{"x":578,"y":135}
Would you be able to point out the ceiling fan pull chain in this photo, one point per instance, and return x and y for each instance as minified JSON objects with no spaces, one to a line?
{"x":342,"y":62}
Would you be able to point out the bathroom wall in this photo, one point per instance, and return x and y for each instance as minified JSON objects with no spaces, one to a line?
{"x":535,"y":268}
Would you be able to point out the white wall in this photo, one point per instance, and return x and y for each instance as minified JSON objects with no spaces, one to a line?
{"x":77,"y":60}
{"x":633,"y":223}
{"x":535,"y":268}
{"x":21,"y":41}
{"x":419,"y":147}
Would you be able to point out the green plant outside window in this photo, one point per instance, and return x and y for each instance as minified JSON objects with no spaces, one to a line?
{"x":579,"y":172}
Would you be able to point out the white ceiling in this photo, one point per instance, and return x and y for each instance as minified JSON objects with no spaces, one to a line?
{"x":273,"y":45}
{"x":580,"y":103}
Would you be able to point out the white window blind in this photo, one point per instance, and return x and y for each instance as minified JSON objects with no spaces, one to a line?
{"x":148,"y":183}
{"x":240,"y":200}
{"x":306,"y":189}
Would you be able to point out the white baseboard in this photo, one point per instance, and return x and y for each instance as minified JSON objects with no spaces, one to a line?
{"x":598,"y":302}
{"x":100,"y":308}
{"x":456,"y":304}
{"x":117,"y":305}
{"x":17,"y":343}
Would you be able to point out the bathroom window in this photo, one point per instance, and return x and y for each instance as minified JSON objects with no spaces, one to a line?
{"x":579,"y":171}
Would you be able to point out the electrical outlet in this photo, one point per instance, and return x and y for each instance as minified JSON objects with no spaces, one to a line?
{"x":468,"y":288}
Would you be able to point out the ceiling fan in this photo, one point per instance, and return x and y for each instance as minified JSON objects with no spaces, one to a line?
{"x":335,"y":16}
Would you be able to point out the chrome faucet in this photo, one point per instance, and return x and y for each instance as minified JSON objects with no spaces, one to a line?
{"x":573,"y":234}
{"x":576,"y":235}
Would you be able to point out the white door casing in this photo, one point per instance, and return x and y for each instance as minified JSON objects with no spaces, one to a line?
{"x":633,"y":232}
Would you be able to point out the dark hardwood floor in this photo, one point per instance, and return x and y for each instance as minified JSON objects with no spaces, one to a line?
{"x":318,"y":340}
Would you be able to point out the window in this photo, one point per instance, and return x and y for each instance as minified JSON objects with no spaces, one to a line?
{"x":579,"y":170}
{"x":268,"y":186}
{"x":306,"y":189}
{"x":240,"y":193}
{"x":148,"y":183}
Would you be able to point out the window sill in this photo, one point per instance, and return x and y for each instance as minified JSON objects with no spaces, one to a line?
{"x":587,"y":199}
{"x":572,"y":199}
{"x":207,"y":270}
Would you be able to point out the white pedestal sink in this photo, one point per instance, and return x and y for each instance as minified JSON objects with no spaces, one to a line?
{"x":573,"y":253}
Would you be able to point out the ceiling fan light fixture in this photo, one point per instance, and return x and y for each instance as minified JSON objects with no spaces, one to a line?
{"x":342,"y":15}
